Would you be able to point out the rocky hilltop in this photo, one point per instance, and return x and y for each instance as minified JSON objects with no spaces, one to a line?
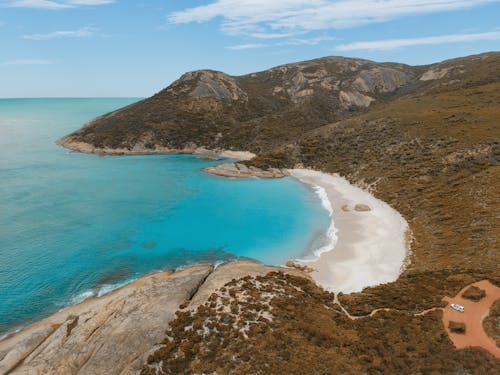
{"x":424,"y":139}
{"x":252,"y":112}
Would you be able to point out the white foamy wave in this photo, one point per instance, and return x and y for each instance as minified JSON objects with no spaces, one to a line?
{"x":104,"y":289}
{"x":323,"y":196}
{"x":82,"y":297}
{"x":107,"y":288}
{"x":12,"y":332}
{"x":331,"y":232}
{"x":218,"y":263}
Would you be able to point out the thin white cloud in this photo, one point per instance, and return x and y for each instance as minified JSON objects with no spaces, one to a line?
{"x":90,"y":2}
{"x":388,"y":44}
{"x":80,"y":33}
{"x":307,"y":41}
{"x":53,"y":5}
{"x":271,"y":35}
{"x":247,"y":46}
{"x":28,"y":62}
{"x":284,"y":16}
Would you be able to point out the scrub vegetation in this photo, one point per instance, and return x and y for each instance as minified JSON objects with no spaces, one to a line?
{"x":424,"y":139}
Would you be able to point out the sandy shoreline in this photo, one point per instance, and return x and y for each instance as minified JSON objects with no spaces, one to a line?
{"x":368,"y":247}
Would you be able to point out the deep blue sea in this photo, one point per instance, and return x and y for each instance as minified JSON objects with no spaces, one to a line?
{"x":74,"y":225}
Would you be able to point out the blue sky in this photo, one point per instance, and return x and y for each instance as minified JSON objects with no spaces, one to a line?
{"x":86,"y":48}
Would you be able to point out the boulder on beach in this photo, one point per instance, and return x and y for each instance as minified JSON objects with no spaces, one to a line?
{"x":362,"y":207}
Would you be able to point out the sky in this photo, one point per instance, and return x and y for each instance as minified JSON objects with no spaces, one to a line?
{"x":124,"y":48}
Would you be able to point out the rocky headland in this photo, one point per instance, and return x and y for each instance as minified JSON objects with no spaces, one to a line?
{"x":115,"y":333}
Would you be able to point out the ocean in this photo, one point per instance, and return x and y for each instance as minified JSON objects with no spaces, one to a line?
{"x":75,"y":225}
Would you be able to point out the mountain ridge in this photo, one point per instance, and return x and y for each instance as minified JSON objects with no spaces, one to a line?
{"x":207,"y":105}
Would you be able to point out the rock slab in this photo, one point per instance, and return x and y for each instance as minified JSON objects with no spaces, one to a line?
{"x":107,"y":335}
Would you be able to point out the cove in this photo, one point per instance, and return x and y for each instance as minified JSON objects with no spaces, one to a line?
{"x":75,"y":225}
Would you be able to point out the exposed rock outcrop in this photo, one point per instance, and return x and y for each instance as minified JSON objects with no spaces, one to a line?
{"x":381,"y":80}
{"x":433,"y":74}
{"x":354,"y":98}
{"x":114,"y":334}
{"x":107,"y":335}
{"x":360,"y":207}
{"x":220,"y":111}
{"x":299,"y":266}
{"x":234,"y":271}
{"x":208,"y":83}
{"x":241,"y":170}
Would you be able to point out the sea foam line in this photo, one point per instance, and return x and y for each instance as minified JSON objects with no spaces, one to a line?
{"x":104,"y":289}
{"x":331,"y":232}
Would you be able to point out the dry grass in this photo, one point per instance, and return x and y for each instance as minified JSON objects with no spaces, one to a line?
{"x":491,"y":323}
{"x":304,"y":332}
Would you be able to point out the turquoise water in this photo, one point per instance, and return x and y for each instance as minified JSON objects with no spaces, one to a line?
{"x":73,"y":225}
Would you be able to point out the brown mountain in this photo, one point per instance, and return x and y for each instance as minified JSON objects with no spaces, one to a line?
{"x":256,"y":111}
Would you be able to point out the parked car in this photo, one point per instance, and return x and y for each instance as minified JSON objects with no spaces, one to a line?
{"x":457,"y":307}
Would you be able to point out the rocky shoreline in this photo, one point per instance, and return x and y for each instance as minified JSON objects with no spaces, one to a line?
{"x":140,"y":149}
{"x":115,"y":333}
{"x":239,"y":170}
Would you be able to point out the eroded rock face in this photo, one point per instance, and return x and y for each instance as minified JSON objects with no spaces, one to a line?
{"x":380,"y":80}
{"x":207,"y":83}
{"x":354,"y":98}
{"x":433,"y":74}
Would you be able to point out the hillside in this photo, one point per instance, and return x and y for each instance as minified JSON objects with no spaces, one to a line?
{"x":424,"y":139}
{"x":257,"y":112}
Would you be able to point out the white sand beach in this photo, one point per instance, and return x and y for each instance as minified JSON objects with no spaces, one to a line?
{"x":368,"y":247}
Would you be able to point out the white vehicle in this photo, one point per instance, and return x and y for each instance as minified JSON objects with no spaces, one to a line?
{"x":457,"y":307}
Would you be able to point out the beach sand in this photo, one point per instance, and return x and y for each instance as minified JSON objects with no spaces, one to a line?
{"x":367,"y":248}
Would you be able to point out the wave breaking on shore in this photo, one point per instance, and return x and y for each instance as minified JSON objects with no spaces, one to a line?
{"x":331,"y":232}
{"x":367,"y":238}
